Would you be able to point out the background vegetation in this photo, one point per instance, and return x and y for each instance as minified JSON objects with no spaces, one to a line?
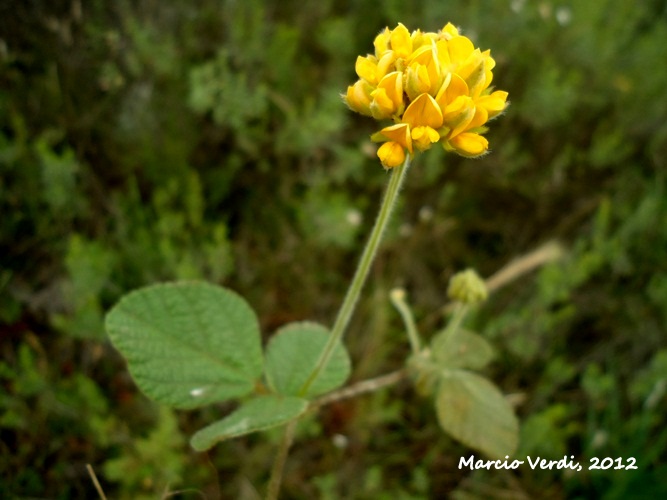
{"x":143,"y":141}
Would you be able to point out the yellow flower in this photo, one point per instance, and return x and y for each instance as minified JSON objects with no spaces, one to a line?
{"x":358,"y":97}
{"x":381,"y":42}
{"x":468,"y":144}
{"x":423,"y":72}
{"x":424,"y":117}
{"x":401,"y":42}
{"x":391,"y":154}
{"x":387,"y":98}
{"x":449,"y":31}
{"x":400,"y":134}
{"x":494,"y":103}
{"x":435,"y":87}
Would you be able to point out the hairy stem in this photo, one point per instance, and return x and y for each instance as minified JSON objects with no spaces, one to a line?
{"x":397,"y":297}
{"x":360,"y":275}
{"x":455,"y":321}
{"x":343,"y":318}
{"x":363,"y":387}
{"x":273,"y":489}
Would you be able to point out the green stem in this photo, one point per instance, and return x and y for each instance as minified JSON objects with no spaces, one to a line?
{"x":273,"y":488}
{"x":455,"y":321}
{"x":360,"y":275}
{"x":397,"y":297}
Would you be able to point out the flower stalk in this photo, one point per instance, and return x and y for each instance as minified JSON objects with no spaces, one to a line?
{"x":455,"y":322}
{"x":397,"y":297}
{"x":361,"y":273}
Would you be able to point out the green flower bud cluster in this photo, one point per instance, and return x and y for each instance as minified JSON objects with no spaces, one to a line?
{"x":467,"y":287}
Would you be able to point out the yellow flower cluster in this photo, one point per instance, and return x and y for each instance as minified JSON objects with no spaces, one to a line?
{"x":434,"y":86}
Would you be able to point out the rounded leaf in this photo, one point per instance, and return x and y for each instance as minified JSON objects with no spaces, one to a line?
{"x":292,"y":354}
{"x":461,"y":349}
{"x":472,"y":410}
{"x":258,"y":414}
{"x":188,"y":344}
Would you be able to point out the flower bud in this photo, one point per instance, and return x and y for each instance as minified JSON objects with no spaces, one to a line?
{"x":401,"y":42}
{"x":391,"y":154}
{"x":358,"y":97}
{"x":449,"y":31}
{"x":467,"y":287}
{"x":468,"y":144}
{"x":367,"y":69}
{"x":418,"y":81}
{"x":381,"y":43}
{"x":397,"y":294}
{"x":494,"y":103}
{"x":387,"y":99}
{"x":386,"y":64}
{"x":458,"y":114}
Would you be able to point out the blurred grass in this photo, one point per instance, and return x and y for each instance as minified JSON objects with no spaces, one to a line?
{"x":144,"y":141}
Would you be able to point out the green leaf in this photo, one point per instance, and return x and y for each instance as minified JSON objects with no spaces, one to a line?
{"x":292,"y":354}
{"x":461,"y":349}
{"x":473,"y":410}
{"x":258,"y":414}
{"x":188,"y":344}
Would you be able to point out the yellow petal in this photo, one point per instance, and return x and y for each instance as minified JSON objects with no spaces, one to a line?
{"x":401,"y":42}
{"x":494,"y":103}
{"x":426,"y":56}
{"x":366,"y":68}
{"x":443,"y":53}
{"x":423,"y":137}
{"x":393,"y":84}
{"x":422,"y":55}
{"x":450,"y":31}
{"x":480,"y":117}
{"x":419,"y":39}
{"x":381,"y":106}
{"x":423,"y":111}
{"x":477,"y":73}
{"x":418,"y":81}
{"x":399,"y":133}
{"x":460,"y":47}
{"x":470,"y":66}
{"x":385,"y":64}
{"x":448,"y":93}
{"x":387,"y":99}
{"x":391,"y":154}
{"x":469,"y":144}
{"x":490,"y":61}
{"x":458,"y":114}
{"x":381,"y":42}
{"x":358,"y":97}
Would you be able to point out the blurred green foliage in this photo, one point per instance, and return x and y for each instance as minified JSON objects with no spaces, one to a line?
{"x":145,"y":141}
